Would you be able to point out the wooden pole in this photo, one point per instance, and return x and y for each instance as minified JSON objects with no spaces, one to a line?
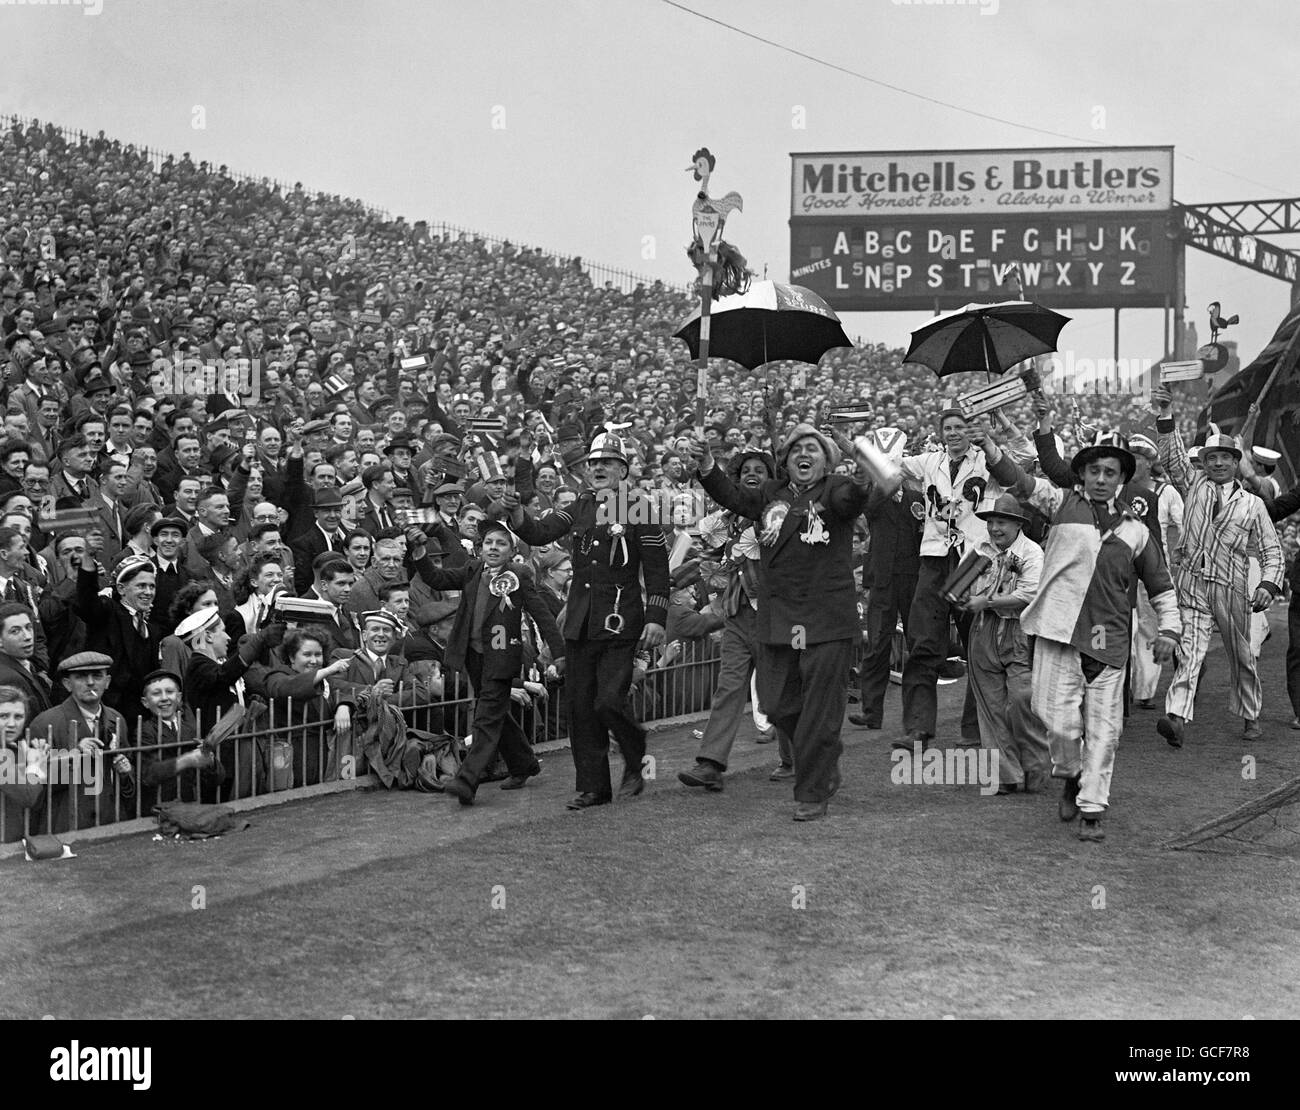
{"x":702,"y":371}
{"x":708,"y":226}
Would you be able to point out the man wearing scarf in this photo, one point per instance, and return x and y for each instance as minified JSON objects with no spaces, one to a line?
{"x":807,"y":601}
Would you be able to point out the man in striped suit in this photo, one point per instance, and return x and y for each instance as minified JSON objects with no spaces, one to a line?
{"x":1222,"y":521}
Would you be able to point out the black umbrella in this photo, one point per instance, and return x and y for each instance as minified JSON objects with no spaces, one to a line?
{"x":767,"y":323}
{"x":988,"y":337}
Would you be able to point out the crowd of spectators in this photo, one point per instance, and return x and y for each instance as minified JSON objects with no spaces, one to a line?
{"x":354,"y":359}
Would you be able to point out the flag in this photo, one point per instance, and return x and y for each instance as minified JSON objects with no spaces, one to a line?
{"x":1273,"y":382}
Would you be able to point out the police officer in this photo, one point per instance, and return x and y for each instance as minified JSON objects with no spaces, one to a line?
{"x":615,"y":542}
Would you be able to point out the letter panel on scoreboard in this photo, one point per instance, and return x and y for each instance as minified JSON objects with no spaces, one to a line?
{"x":1083,"y":261}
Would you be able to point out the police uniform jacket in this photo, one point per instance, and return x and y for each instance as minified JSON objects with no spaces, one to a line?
{"x":607,"y":555}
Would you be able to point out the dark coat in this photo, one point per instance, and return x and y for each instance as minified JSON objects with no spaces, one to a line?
{"x":159,"y":780}
{"x":806,"y":592}
{"x":109,"y":629}
{"x":209,"y":686}
{"x":40,"y":694}
{"x":65,"y":727}
{"x":498,"y":662}
{"x":602,"y":563}
{"x":896,"y":528}
{"x":360,"y":677}
{"x":1279,"y":508}
{"x":305,"y":548}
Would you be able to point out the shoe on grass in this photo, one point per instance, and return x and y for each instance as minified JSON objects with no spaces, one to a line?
{"x":1173,"y":729}
{"x":703,"y":774}
{"x":1090,"y":829}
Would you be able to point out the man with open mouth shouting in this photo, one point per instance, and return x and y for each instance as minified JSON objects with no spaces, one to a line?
{"x":807,"y":602}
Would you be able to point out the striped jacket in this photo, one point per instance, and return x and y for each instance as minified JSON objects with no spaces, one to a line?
{"x":1214,"y":548}
{"x":1085,"y":593}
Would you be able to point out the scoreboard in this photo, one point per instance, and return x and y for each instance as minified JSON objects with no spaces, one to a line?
{"x":1091,"y":228}
{"x":1088,"y":261}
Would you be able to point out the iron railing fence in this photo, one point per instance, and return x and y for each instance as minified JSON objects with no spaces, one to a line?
{"x":289,"y":753}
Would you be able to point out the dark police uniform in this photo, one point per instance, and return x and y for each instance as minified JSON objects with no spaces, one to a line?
{"x":604,"y":620}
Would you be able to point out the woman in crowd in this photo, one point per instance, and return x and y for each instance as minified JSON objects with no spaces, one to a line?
{"x":256,"y":590}
{"x":17,"y":797}
{"x":221,"y":554}
{"x":554,"y":572}
{"x":307,"y":708}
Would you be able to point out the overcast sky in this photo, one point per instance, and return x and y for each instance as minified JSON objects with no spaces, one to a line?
{"x":598,"y":106}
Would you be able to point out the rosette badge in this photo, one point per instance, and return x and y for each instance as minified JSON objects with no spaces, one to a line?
{"x":773,"y":517}
{"x":503,"y":585}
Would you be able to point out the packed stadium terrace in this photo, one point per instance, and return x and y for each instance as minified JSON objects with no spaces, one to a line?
{"x":114,"y":260}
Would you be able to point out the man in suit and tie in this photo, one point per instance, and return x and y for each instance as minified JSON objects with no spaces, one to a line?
{"x":112,"y":513}
{"x":378,"y":674}
{"x":322,"y":536}
{"x":17,"y":649}
{"x":211,"y":518}
{"x":168,"y":534}
{"x":187,"y":453}
{"x":136,"y":525}
{"x":185,"y":505}
{"x":38,"y":385}
{"x":74,"y":481}
{"x":84,"y":725}
{"x":121,"y":627}
{"x":16,"y":585}
{"x":487,"y":641}
{"x":379,"y":514}
{"x":334,"y":581}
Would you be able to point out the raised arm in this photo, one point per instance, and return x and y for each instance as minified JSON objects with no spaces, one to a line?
{"x":1050,"y":462}
{"x":1173,"y":453}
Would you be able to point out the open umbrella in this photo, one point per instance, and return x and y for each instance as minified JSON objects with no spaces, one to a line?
{"x":988,"y":337}
{"x":767,"y":323}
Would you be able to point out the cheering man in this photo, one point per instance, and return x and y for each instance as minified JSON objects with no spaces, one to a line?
{"x":1223,"y":522}
{"x":807,"y":601}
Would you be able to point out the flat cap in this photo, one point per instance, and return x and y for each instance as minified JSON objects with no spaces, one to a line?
{"x":86,"y":661}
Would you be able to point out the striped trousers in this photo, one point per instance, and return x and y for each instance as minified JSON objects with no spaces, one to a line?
{"x":1205,"y":607}
{"x":1083,"y":719}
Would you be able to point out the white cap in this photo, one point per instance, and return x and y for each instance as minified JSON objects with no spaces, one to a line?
{"x":198,"y":621}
